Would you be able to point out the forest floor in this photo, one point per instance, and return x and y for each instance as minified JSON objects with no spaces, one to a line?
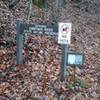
{"x":39,"y":76}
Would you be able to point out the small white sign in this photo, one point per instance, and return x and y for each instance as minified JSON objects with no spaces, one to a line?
{"x":64,"y":35}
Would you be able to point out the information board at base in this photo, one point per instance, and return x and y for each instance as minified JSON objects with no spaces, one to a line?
{"x":75,"y":59}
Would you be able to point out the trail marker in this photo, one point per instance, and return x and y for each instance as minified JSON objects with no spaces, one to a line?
{"x":35,"y":29}
{"x":39,"y":29}
{"x":64,"y":40}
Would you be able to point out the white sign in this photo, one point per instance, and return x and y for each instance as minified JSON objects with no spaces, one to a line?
{"x":64,"y":35}
{"x":75,"y":59}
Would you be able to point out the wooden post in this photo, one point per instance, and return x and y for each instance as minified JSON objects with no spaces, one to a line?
{"x":20,"y":44}
{"x":29,"y":9}
{"x":63,"y":61}
{"x":58,"y":5}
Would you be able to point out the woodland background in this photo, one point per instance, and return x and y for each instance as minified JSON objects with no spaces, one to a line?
{"x":38,"y":77}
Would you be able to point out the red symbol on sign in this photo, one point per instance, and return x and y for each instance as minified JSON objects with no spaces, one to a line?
{"x":64,"y":29}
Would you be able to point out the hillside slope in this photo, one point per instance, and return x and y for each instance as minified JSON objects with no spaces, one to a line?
{"x":41,"y":71}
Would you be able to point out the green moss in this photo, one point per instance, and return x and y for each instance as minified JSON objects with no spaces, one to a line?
{"x":78,"y":83}
{"x":39,"y":3}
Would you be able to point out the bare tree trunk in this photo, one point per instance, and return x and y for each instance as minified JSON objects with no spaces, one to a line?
{"x":57,"y":4}
{"x":13,"y":3}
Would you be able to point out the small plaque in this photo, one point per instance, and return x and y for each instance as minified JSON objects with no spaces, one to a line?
{"x":75,"y":59}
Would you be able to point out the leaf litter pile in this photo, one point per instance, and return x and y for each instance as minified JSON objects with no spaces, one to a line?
{"x":39,"y":77}
{"x":40,"y":74}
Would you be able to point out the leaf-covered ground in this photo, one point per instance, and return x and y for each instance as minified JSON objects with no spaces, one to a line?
{"x":39,"y":77}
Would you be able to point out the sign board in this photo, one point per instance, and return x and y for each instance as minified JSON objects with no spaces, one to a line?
{"x":39,"y":29}
{"x":64,"y":35}
{"x":75,"y":59}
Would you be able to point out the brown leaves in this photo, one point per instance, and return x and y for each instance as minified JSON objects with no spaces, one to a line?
{"x":40,"y":75}
{"x":2,"y":89}
{"x":41,"y":72}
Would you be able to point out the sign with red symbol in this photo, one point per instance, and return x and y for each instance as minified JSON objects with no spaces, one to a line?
{"x":64,"y":33}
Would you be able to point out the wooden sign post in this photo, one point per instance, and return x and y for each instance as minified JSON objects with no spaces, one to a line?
{"x":52,"y":30}
{"x":64,"y":38}
{"x":35,"y":29}
{"x":63,"y":34}
{"x":20,"y":42}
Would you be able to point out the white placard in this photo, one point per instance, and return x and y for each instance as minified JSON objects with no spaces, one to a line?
{"x":64,"y":35}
